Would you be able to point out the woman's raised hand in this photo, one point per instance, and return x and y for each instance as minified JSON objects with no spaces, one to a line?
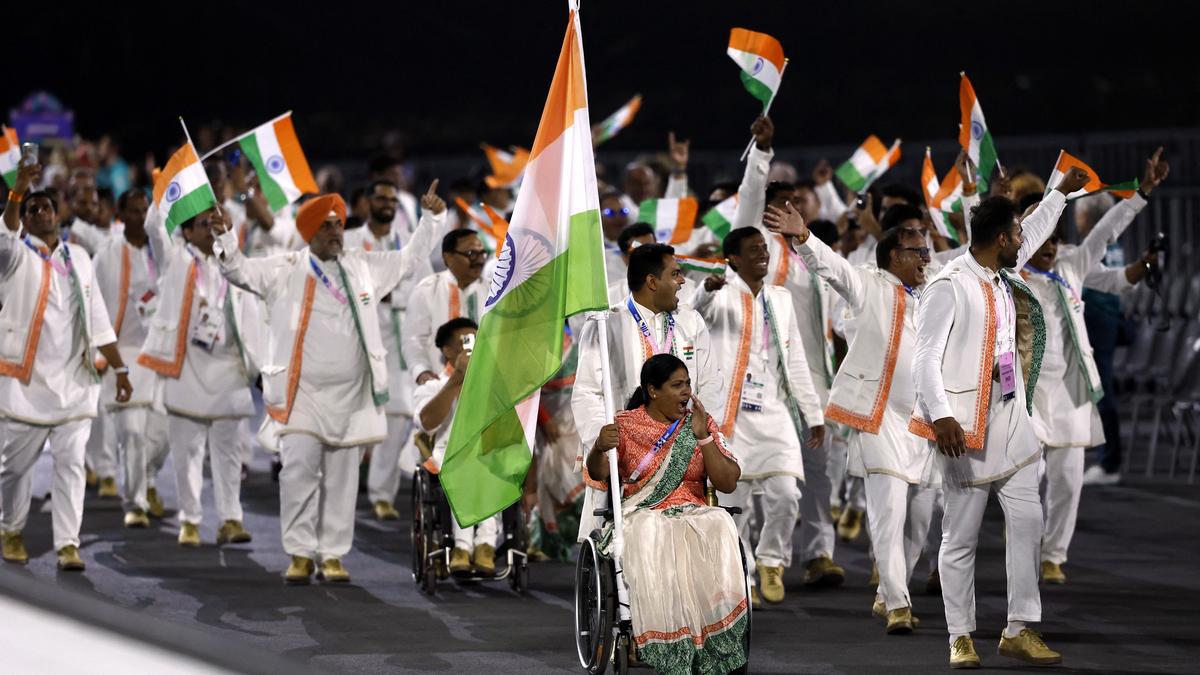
{"x":699,"y":419}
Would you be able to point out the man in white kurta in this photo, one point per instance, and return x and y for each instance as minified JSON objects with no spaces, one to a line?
{"x":978,"y":332}
{"x":382,"y":232}
{"x":127,"y":276}
{"x":325,"y":376}
{"x":200,"y":345}
{"x":769,"y":403}
{"x":53,"y":318}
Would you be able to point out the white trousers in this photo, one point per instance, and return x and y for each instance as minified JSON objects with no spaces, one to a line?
{"x":317,"y":490}
{"x":484,"y":532}
{"x":102,"y":445}
{"x":933,"y":540}
{"x":838,"y":458}
{"x":780,"y":496}
{"x":816,"y":527}
{"x":142,"y":437}
{"x":1018,"y":496}
{"x":1064,"y":482}
{"x":898,"y":521}
{"x":190,"y":437}
{"x":20,"y":445}
{"x":383,"y":474}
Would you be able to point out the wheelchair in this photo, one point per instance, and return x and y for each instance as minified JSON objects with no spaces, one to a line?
{"x":433,"y":539}
{"x":602,"y":620}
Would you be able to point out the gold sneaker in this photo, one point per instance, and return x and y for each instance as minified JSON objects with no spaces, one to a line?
{"x":484,"y":559}
{"x":962,"y":653}
{"x":1029,"y":647}
{"x":850,"y":524}
{"x":874,"y":580}
{"x":13,"y":546}
{"x":770,"y":583}
{"x":823,"y":572}
{"x":1052,"y":573}
{"x":385,"y":511}
{"x":108,"y":488}
{"x":460,"y":561}
{"x":879,"y":609}
{"x":299,"y":571}
{"x":69,"y":560}
{"x":332,"y":571}
{"x":756,"y":600}
{"x":232,"y":532}
{"x":189,"y":535}
{"x":156,"y":510}
{"x":136,"y":519}
{"x":899,"y":621}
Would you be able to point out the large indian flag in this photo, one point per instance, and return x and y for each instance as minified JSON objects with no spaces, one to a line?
{"x":552,"y":267}
{"x":869,"y":161}
{"x":614,"y":123}
{"x":672,"y":219}
{"x":181,"y":190}
{"x":1066,"y":162}
{"x":760,"y":57}
{"x":973,"y":133}
{"x":283,"y":172}
{"x":930,"y":188}
{"x":10,"y":156}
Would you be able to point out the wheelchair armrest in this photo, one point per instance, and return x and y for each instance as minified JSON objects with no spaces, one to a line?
{"x":733,"y":510}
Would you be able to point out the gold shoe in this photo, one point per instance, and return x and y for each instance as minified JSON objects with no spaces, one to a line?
{"x":879,"y":609}
{"x":756,"y":600}
{"x":232,"y":532}
{"x":874,"y":580}
{"x":299,"y":571}
{"x":770,"y":582}
{"x":850,"y":524}
{"x":822,"y":571}
{"x":13,"y":546}
{"x":962,"y":653}
{"x":136,"y":519}
{"x":69,"y":560}
{"x":460,"y":561}
{"x":156,"y":510}
{"x":1029,"y":647}
{"x":1052,"y":573}
{"x":108,"y":488}
{"x":189,"y":535}
{"x":899,"y":621}
{"x":385,"y":511}
{"x":484,"y":559}
{"x":836,"y":511}
{"x":933,"y":584}
{"x":332,"y":571}
{"x":89,"y":476}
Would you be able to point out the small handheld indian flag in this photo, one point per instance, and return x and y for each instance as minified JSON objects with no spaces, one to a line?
{"x":181,"y":191}
{"x":672,"y":219}
{"x":869,"y":161}
{"x":720,"y":217}
{"x":1066,"y":162}
{"x":760,"y":57}
{"x":973,"y":133}
{"x":702,"y":265}
{"x":507,"y":166}
{"x":282,"y":169}
{"x":930,"y":188}
{"x":10,"y":156}
{"x":491,"y":225}
{"x":614,"y":123}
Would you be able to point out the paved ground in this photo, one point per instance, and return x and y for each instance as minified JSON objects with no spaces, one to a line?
{"x":1130,"y":604}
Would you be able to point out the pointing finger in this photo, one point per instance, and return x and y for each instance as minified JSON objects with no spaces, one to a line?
{"x":432,"y":191}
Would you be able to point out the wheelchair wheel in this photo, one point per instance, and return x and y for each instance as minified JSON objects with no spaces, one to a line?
{"x":417,"y":529}
{"x":745,"y":668}
{"x":595,"y":608}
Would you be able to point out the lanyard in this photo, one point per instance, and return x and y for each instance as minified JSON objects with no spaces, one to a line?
{"x":1053,"y":276}
{"x":662,"y":440}
{"x":396,"y":245}
{"x":647,"y":335}
{"x":1009,"y":311}
{"x":151,"y":265}
{"x":341,"y":297}
{"x":910,"y":290}
{"x":49,"y":257}
{"x":203,"y":287}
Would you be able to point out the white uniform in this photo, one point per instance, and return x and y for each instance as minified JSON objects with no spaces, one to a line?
{"x":49,"y":389}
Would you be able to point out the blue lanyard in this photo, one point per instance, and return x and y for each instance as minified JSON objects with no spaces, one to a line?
{"x":670,"y":338}
{"x":662,"y":440}
{"x":341,"y":297}
{"x":48,"y":257}
{"x":910,"y":290}
{"x":1050,"y":275}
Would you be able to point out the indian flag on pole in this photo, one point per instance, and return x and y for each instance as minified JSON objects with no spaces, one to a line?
{"x":283,"y":172}
{"x":702,"y":265}
{"x":1066,"y":162}
{"x":719,"y":218}
{"x":614,"y":123}
{"x":672,"y":219}
{"x":10,"y":156}
{"x":869,"y":161}
{"x":930,"y":188}
{"x":551,"y":267}
{"x":973,"y":133}
{"x":760,"y":57}
{"x":181,"y":190}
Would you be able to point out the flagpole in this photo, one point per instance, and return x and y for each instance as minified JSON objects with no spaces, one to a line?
{"x":235,"y":139}
{"x":189,"y":141}
{"x":766,"y":109}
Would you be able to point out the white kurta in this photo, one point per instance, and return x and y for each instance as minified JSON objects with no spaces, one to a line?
{"x":139,"y":302}
{"x":435,"y":300}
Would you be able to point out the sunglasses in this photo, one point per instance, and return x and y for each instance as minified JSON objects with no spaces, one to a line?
{"x":922,"y":252}
{"x":473,"y":256}
{"x":609,"y":213}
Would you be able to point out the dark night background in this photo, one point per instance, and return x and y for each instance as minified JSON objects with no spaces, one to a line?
{"x":449,"y":75}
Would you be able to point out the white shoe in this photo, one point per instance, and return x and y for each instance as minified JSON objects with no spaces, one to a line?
{"x":1096,"y":475}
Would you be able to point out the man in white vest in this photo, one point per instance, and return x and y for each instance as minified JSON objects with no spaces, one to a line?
{"x":1065,"y":417}
{"x":382,"y":232}
{"x":980,"y":337}
{"x":51,"y":319}
{"x":127,"y":276}
{"x":200,"y":343}
{"x":769,"y":403}
{"x":325,"y":374}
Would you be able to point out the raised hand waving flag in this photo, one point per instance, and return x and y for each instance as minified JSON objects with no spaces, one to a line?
{"x":761,"y":59}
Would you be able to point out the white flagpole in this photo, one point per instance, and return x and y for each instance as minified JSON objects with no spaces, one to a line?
{"x":189,"y":141}
{"x":235,"y":139}
{"x":766,"y":109}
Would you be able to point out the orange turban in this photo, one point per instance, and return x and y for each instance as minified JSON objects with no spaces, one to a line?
{"x":314,"y":212}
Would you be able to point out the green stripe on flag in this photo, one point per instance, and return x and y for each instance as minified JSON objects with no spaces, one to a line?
{"x":10,"y":178}
{"x":987,"y":161}
{"x":717,"y":223}
{"x":188,"y":206}
{"x":849,"y":175}
{"x":276,"y":198}
{"x":757,"y":89}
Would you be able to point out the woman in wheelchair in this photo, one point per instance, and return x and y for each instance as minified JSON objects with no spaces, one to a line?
{"x":682,"y":562}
